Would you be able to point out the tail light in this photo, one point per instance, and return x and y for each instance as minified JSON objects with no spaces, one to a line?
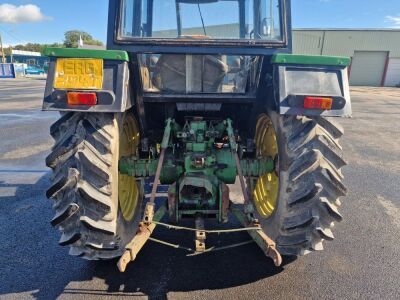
{"x":322,"y":103}
{"x":76,"y":98}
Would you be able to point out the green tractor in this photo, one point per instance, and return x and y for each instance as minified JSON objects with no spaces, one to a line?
{"x":190,"y":97}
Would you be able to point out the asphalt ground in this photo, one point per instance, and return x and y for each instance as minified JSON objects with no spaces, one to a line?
{"x":362,"y":263}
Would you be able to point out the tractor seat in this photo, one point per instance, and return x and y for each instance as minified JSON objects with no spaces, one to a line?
{"x":189,"y":73}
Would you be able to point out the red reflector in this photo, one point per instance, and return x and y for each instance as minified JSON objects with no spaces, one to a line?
{"x":322,"y":103}
{"x":89,"y":99}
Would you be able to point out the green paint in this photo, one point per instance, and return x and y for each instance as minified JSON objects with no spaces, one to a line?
{"x":198,"y":147}
{"x":257,"y":167}
{"x":161,"y":212}
{"x":229,"y":173}
{"x":170,"y":172}
{"x":214,"y":162}
{"x":198,"y":164}
{"x":87,"y":53}
{"x":138,"y":167}
{"x":310,"y":60}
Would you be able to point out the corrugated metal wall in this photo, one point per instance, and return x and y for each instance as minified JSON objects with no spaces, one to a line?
{"x":345,"y":42}
{"x":393,"y":72}
{"x":308,"y":42}
{"x":368,"y":68}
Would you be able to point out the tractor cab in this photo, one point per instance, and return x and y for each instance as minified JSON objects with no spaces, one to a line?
{"x":258,"y":20}
{"x":199,"y":46}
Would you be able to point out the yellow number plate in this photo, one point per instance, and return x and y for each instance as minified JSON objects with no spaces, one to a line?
{"x":73,"y":73}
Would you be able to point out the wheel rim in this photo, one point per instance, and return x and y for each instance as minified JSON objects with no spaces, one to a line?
{"x":128,"y":189}
{"x":267,"y":186}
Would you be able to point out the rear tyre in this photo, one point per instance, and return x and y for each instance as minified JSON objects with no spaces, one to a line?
{"x":297,"y":205}
{"x":95,"y":212}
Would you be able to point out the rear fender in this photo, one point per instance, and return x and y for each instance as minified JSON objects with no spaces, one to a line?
{"x":115,"y":94}
{"x":299,"y":76}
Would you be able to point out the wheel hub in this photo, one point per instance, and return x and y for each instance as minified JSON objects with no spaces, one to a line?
{"x":267,"y":186}
{"x":127,"y":186}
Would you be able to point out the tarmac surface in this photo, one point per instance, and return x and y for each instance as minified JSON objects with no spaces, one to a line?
{"x":363,"y":262}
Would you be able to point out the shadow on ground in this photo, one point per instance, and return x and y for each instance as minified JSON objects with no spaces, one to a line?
{"x":32,"y":262}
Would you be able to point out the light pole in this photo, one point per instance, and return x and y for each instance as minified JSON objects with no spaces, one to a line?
{"x":3,"y":59}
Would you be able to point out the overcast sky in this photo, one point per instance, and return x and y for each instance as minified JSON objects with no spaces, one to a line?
{"x":45,"y":21}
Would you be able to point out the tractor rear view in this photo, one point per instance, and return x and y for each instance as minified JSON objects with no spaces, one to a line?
{"x":193,"y":96}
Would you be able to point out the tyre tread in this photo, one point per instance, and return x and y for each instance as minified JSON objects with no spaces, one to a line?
{"x":81,"y":160}
{"x":315,"y":183}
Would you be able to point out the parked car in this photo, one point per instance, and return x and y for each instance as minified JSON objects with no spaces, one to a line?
{"x":32,"y":70}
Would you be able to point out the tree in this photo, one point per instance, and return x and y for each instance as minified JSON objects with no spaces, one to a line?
{"x":72,"y":39}
{"x":36,"y":47}
{"x":30,"y":47}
